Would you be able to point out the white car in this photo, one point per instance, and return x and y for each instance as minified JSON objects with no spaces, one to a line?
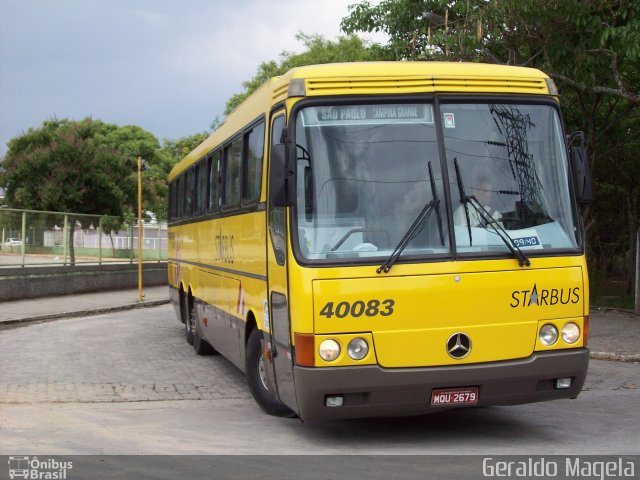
{"x":13,"y":241}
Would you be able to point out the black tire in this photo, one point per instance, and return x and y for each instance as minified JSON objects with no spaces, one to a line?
{"x":200,"y":345}
{"x":263,"y":397}
{"x":189,"y":320}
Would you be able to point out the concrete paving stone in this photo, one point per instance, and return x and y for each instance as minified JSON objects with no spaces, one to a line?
{"x":137,"y":356}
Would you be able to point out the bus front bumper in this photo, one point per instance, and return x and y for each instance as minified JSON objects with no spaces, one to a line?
{"x":373,"y":391}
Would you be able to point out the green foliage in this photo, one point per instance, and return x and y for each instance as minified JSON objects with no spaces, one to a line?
{"x":61,"y":167}
{"x":216,"y":123}
{"x":111,"y":225}
{"x":85,"y":166}
{"x":318,"y":50}
{"x":176,"y":150}
{"x":131,"y":141}
{"x":588,"y":44}
{"x":401,"y":20}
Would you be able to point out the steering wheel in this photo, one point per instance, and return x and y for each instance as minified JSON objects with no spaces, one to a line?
{"x":358,"y":230}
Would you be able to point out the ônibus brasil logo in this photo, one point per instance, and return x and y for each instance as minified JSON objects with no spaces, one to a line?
{"x":36,"y":469}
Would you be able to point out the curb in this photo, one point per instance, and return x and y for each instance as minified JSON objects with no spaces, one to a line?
{"x":615,"y":357}
{"x":84,"y":313}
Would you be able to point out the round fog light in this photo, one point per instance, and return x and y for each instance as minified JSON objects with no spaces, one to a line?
{"x":548,"y":334}
{"x":570,"y":332}
{"x":358,"y":348}
{"x":329,"y":350}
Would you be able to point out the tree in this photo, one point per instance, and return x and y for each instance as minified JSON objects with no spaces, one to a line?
{"x":318,"y":50}
{"x":587,"y":44}
{"x":95,"y":139}
{"x":590,"y":48}
{"x":61,"y":167}
{"x":85,"y":167}
{"x":176,"y":150}
{"x":131,"y":141}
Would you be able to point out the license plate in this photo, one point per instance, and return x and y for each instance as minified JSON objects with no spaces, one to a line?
{"x":454,"y":396}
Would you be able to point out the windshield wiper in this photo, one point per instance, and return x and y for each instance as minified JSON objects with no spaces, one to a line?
{"x":436,"y":202}
{"x":487,"y":219}
{"x":416,"y":227}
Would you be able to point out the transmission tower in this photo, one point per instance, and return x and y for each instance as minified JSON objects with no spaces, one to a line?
{"x":513,"y":125}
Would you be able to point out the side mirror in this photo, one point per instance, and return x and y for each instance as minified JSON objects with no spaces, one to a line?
{"x":580,"y":169}
{"x":280,"y":177}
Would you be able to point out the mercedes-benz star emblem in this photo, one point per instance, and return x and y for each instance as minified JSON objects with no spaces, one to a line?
{"x":459,"y":345}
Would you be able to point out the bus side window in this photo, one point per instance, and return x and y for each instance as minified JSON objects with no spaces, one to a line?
{"x":197,"y":195}
{"x":277,"y":224}
{"x":172,"y":199}
{"x":214,"y":181}
{"x":179,"y":197}
{"x":252,"y":168}
{"x":188,"y":194}
{"x":204,"y":185}
{"x":232,"y":163}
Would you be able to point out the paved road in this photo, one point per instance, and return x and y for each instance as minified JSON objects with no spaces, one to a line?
{"x":127,"y":383}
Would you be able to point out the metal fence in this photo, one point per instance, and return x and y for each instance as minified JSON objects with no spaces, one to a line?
{"x":31,"y":237}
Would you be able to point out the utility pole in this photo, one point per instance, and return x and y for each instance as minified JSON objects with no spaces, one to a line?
{"x":140,"y":295}
{"x":638,"y":271}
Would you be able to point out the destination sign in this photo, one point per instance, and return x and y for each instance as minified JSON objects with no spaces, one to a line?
{"x":368,"y":114}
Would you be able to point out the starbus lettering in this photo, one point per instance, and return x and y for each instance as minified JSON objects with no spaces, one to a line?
{"x":225,"y":252}
{"x":544,"y":297}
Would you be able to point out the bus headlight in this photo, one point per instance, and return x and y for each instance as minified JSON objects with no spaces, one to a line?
{"x":358,"y":348}
{"x":329,"y":350}
{"x":548,"y":334}
{"x":570,"y":332}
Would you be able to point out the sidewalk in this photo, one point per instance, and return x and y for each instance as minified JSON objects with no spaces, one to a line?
{"x":79,"y":305}
{"x":613,"y":334}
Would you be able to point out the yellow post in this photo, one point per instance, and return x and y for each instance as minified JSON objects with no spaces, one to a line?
{"x":140,"y":229}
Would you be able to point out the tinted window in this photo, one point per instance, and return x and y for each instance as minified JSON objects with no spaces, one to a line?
{"x":172,"y":199}
{"x":201,"y":182}
{"x":252,"y":172}
{"x":179,"y":197}
{"x":232,"y":164}
{"x":188,"y":194}
{"x":277,"y":216}
{"x":214,"y":181}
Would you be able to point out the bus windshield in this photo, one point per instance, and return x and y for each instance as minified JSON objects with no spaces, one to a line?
{"x":367,"y":173}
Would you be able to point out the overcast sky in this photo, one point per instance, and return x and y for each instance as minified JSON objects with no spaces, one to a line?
{"x":168,"y":66}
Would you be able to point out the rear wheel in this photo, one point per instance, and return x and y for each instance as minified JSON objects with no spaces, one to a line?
{"x":256,"y":377}
{"x":188,"y":316}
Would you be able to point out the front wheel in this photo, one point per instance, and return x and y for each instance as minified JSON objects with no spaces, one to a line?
{"x":256,"y":378}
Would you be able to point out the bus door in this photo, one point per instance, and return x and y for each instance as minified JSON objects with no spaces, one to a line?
{"x":280,"y":375}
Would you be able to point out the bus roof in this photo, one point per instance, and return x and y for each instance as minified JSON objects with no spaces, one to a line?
{"x":368,"y":78}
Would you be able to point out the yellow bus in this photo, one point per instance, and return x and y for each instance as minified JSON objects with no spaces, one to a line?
{"x":381,"y":239}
